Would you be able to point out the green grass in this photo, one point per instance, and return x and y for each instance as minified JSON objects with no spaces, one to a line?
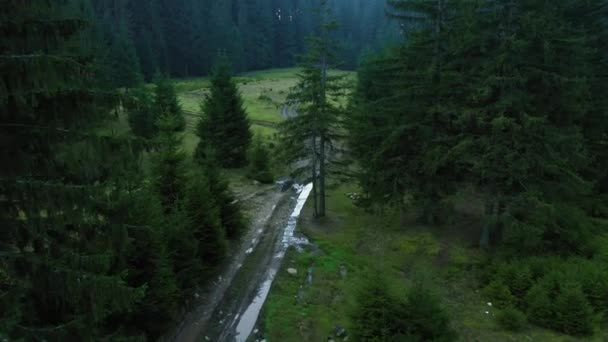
{"x":264,"y":93}
{"x":443,"y":259}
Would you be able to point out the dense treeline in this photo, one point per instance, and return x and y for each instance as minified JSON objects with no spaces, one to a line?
{"x":507,"y":98}
{"x":184,"y":37}
{"x":104,"y":237}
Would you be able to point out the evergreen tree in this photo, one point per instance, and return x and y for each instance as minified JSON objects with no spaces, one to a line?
{"x":169,"y":176}
{"x":459,"y":111}
{"x":124,"y":60}
{"x":259,"y":162}
{"x":183,"y":250}
{"x":380,"y":316}
{"x":574,"y":314}
{"x":312,"y":133}
{"x":224,"y":127}
{"x":231,"y":218}
{"x":166,"y":104}
{"x":59,"y":245}
{"x":140,"y":112}
{"x":204,"y":214}
{"x":148,"y":261}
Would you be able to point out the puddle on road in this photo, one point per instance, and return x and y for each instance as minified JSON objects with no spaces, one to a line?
{"x":250,"y":316}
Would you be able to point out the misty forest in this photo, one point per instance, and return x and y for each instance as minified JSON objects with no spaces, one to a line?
{"x":304,"y":170}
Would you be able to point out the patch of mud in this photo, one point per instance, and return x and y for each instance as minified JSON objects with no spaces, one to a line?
{"x":260,"y":208}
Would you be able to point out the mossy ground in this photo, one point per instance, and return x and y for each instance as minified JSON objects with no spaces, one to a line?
{"x":444,"y":259}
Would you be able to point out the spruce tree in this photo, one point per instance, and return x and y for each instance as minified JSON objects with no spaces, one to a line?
{"x":204,"y":215}
{"x":141,"y":116}
{"x":59,"y":243}
{"x":183,"y":250}
{"x":574,"y":314}
{"x":502,"y":111}
{"x":312,"y":134}
{"x":168,"y":171}
{"x":231,"y":217}
{"x":166,"y":105}
{"x":224,"y":127}
{"x":259,"y":162}
{"x":148,"y":261}
{"x":125,"y":66}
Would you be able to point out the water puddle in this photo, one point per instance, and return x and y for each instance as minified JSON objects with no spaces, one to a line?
{"x":250,"y":316}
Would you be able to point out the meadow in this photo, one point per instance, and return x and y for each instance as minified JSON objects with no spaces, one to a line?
{"x":353,"y":246}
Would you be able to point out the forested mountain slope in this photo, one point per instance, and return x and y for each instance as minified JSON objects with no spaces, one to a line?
{"x":183,"y":37}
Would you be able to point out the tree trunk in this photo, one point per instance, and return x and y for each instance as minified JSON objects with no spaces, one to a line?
{"x":322,"y":139}
{"x":322,"y":177}
{"x":484,"y":240}
{"x":314,"y":175}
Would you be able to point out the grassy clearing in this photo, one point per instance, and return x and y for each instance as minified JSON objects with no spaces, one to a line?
{"x":264,"y":93}
{"x":443,"y":259}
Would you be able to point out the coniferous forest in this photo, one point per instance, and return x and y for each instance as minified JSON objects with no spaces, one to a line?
{"x":304,"y":170}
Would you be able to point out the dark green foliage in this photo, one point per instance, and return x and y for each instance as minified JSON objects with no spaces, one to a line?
{"x":380,"y":316}
{"x":148,"y":262}
{"x":313,"y":133}
{"x":168,"y":164}
{"x":224,"y":126}
{"x":425,"y":318}
{"x":60,"y":245}
{"x":541,"y":306}
{"x":546,"y":289}
{"x":204,"y":216}
{"x":574,"y":314}
{"x":166,"y":105}
{"x":231,"y":218}
{"x":455,"y":105}
{"x":183,"y":37}
{"x":259,"y":162}
{"x":183,"y":250}
{"x":499,"y":294}
{"x":141,"y":115}
{"x":511,"y":319}
{"x":516,"y":277}
{"x":124,"y":62}
{"x":375,"y":317}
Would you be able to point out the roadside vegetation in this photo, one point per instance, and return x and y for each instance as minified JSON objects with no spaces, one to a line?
{"x":460,"y":186}
{"x":479,"y":176}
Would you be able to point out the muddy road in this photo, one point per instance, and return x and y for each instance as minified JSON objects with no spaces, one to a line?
{"x":218,"y":308}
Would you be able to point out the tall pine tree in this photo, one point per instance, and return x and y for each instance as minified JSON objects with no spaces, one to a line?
{"x":224,"y":127}
{"x":59,"y":245}
{"x":313,"y":132}
{"x":166,"y":105}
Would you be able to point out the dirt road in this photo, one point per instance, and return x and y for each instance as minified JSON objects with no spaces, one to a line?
{"x":268,"y":211}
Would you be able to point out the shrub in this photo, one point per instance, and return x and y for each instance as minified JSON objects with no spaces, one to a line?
{"x":574,"y":314}
{"x":593,"y":277}
{"x":499,"y":294}
{"x":259,"y":162}
{"x":541,"y":309}
{"x":381,"y":316}
{"x":376,"y":317}
{"x":426,"y":319}
{"x":511,"y":319}
{"x":517,"y":277}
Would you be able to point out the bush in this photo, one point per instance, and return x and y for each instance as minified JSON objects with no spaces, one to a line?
{"x":499,"y":294}
{"x":574,"y":314}
{"x":425,"y":318}
{"x":381,"y":316}
{"x":593,"y":278}
{"x":517,"y":277}
{"x":376,"y":317}
{"x":511,"y":319}
{"x":541,"y":310}
{"x":259,"y":162}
